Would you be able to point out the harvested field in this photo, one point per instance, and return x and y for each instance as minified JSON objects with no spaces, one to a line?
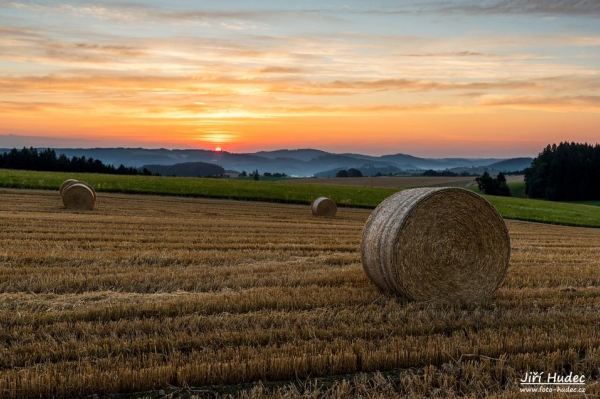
{"x":145,"y":293}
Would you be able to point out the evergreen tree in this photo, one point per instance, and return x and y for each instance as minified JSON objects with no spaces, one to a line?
{"x":352,"y":172}
{"x":565,"y":172}
{"x":493,"y":186}
{"x":47,"y":160}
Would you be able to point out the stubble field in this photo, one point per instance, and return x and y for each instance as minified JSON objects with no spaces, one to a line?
{"x":147,"y":293}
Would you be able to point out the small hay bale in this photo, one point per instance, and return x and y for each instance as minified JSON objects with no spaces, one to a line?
{"x":79,"y":196}
{"x":91,"y":188}
{"x":436,"y":244}
{"x":66,"y":184}
{"x":324,"y":206}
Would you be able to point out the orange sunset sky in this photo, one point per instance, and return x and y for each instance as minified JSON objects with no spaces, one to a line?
{"x":436,"y":79}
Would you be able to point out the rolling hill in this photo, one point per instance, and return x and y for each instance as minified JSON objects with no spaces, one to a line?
{"x":298,"y":162}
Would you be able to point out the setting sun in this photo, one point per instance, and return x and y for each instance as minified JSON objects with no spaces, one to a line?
{"x":218,"y":149}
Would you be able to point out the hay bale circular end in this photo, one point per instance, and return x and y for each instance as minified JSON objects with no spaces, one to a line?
{"x":436,"y":244}
{"x":91,"y":188}
{"x":66,"y":184}
{"x":324,"y":206}
{"x":79,"y":196}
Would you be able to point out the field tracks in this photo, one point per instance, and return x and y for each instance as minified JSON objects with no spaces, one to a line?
{"x":149,"y":292}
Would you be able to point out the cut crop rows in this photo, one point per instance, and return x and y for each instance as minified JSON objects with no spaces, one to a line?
{"x":147,"y":292}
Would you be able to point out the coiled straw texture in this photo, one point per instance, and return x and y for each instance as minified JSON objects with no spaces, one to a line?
{"x":436,"y":244}
{"x":324,"y":206}
{"x":79,"y":196}
{"x":66,"y":184}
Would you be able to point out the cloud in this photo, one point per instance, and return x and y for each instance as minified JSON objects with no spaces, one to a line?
{"x":18,"y":32}
{"x":359,"y":109}
{"x":277,"y":69}
{"x":32,"y":106}
{"x":124,"y":12}
{"x":211,"y":15}
{"x":38,"y":46}
{"x":545,"y":103}
{"x":88,"y":52}
{"x":358,"y":86}
{"x":284,"y":111}
{"x":158,"y":94}
{"x":111,"y":48}
{"x":218,"y":136}
{"x":576,"y":8}
{"x":244,"y":17}
{"x":134,"y":12}
{"x":451,"y":54}
{"x":120,"y":12}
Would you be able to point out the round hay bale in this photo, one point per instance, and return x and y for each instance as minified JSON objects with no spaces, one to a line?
{"x":78,"y":196}
{"x":436,"y":244}
{"x":324,"y":206}
{"x":91,"y":188}
{"x":66,"y":184}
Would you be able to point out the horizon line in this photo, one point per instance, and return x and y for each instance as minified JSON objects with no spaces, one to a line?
{"x":266,"y":151}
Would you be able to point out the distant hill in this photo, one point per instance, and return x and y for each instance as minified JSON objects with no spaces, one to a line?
{"x":366,"y":169}
{"x":511,"y":165}
{"x":300,"y":154}
{"x":439,"y":163}
{"x":299,"y":162}
{"x":187,"y":169}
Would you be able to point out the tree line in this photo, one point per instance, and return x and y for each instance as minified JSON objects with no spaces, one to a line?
{"x":47,"y":160}
{"x":445,"y":173}
{"x":187,"y":169}
{"x":565,"y":172}
{"x":352,"y":172}
{"x":493,"y":185}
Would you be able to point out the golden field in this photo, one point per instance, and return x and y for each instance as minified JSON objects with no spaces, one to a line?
{"x":211,"y":296}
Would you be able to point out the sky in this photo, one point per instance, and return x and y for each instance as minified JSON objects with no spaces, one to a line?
{"x":489,"y":78}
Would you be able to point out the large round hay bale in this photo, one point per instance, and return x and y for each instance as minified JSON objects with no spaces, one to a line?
{"x":436,"y":244}
{"x":66,"y":184}
{"x":78,"y":196}
{"x":324,"y":206}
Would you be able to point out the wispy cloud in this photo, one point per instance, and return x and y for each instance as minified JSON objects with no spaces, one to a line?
{"x":191,"y":84}
{"x":587,"y":8}
{"x":354,"y":87}
{"x":451,"y":54}
{"x":89,"y":52}
{"x":279,"y":69}
{"x":545,"y":103}
{"x":29,"y":106}
{"x":245,"y":18}
{"x":17,"y":32}
{"x":122,"y":12}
